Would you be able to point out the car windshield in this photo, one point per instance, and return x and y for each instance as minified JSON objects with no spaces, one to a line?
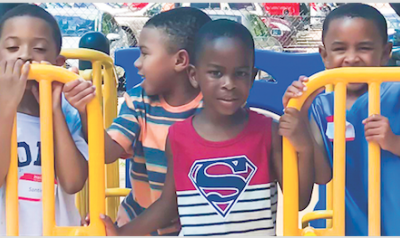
{"x":229,"y":17}
{"x":74,"y":26}
{"x":240,"y":6}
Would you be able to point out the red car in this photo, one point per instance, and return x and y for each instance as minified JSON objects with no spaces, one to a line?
{"x":281,"y":9}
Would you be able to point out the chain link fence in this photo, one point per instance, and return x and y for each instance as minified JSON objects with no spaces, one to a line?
{"x":293,"y":27}
{"x":281,"y":27}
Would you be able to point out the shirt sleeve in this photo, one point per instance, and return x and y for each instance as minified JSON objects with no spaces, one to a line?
{"x":126,"y":128}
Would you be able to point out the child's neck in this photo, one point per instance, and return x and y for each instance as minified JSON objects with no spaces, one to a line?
{"x":216,"y":127}
{"x":352,"y":97}
{"x":29,"y":105}
{"x":182,"y":92}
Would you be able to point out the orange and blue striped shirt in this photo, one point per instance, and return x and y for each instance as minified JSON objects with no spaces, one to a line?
{"x":141,"y":129}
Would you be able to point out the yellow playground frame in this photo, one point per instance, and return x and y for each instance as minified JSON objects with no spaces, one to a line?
{"x":104,"y":180}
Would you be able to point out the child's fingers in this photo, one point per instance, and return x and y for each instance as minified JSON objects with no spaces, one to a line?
{"x":88,"y":92}
{"x":71,"y":85}
{"x":375,"y":117}
{"x":74,"y":70}
{"x":373,"y":132}
{"x":45,"y":62}
{"x":10,"y":67}
{"x":18,"y":67}
{"x":25,"y":71}
{"x":109,"y":225}
{"x":299,"y":85}
{"x":303,"y":79}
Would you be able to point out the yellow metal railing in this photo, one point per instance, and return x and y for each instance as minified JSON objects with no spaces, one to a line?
{"x":103,"y":72}
{"x":373,"y":76}
{"x":45,"y":74}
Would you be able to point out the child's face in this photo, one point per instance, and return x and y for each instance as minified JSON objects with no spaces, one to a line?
{"x":354,"y":42}
{"x":155,"y":64}
{"x":30,"y":39}
{"x":225,"y":74}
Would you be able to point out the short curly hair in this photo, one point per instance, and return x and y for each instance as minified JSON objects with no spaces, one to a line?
{"x":180,"y":26}
{"x":32,"y":10}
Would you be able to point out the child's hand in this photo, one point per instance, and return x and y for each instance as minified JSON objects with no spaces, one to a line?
{"x":86,"y":221}
{"x":57,"y":90}
{"x":13,"y":77}
{"x":79,"y":93}
{"x":111,"y":228}
{"x":296,"y":90}
{"x":377,"y":129}
{"x":293,"y":127}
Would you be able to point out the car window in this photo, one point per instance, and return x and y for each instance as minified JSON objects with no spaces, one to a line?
{"x":229,"y":17}
{"x":258,"y":27}
{"x":109,"y":25}
{"x":206,"y":5}
{"x":74,"y":26}
{"x":240,"y":6}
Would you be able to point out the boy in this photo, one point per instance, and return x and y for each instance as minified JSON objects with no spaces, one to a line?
{"x":224,"y":162}
{"x":27,"y":34}
{"x":165,"y":96}
{"x":355,"y":35}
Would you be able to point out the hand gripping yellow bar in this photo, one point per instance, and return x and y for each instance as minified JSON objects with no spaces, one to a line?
{"x":45,"y":74}
{"x":373,"y":76}
{"x":103,"y":66}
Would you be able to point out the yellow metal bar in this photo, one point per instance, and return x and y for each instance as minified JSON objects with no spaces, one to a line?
{"x":315,"y":215}
{"x":110,"y":112}
{"x":98,"y":80}
{"x":290,"y":190}
{"x":329,"y":186}
{"x":47,"y":154}
{"x":339,"y":162}
{"x":108,"y":98}
{"x":96,"y":155}
{"x":12,"y":227}
{"x":117,"y":192}
{"x":374,"y":169}
{"x":329,"y":201}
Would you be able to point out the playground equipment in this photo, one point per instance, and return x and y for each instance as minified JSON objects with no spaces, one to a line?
{"x":271,"y":62}
{"x":45,"y":74}
{"x":340,"y":78}
{"x":102,"y":71}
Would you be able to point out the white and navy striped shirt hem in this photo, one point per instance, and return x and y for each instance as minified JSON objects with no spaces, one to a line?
{"x":253,"y":214}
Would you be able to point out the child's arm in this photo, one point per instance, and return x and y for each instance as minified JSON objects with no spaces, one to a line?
{"x":70,"y":165}
{"x":12,"y":88}
{"x":292,"y":127}
{"x":377,"y":129}
{"x":79,"y":93}
{"x":323,"y":171}
{"x":160,"y":214}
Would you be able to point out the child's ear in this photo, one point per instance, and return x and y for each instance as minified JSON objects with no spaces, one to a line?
{"x":387,"y":53}
{"x":181,"y":60}
{"x":254,"y":74}
{"x":191,"y":69}
{"x":60,"y":60}
{"x":324,"y":55}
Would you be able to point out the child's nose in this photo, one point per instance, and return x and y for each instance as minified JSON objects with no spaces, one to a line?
{"x":138,"y":63}
{"x":228,"y":83}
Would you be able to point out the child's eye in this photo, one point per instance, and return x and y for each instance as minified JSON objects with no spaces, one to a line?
{"x":216,"y":74}
{"x":338,"y":49}
{"x":40,"y":49}
{"x":12,"y":48}
{"x":242,"y":74}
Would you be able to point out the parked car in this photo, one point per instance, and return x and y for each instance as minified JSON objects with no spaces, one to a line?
{"x":260,"y":32}
{"x":281,"y":29}
{"x":75,"y":22}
